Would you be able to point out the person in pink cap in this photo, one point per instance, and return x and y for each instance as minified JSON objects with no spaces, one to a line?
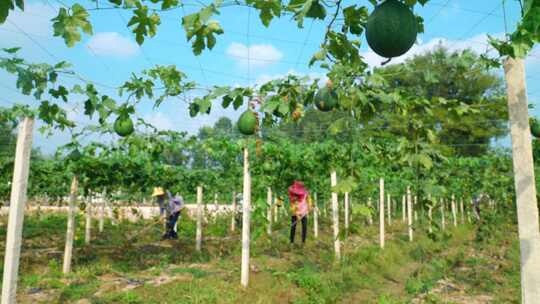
{"x":298,"y":196}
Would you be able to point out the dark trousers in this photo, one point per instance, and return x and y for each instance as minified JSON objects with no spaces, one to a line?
{"x":294,"y":221}
{"x":238,"y":220}
{"x":171,"y":221}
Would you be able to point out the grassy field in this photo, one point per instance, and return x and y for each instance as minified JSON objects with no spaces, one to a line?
{"x":128,"y":264}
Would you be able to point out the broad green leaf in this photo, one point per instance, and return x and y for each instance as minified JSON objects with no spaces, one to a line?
{"x":142,"y":24}
{"x":425,"y":161}
{"x":345,"y":185}
{"x":204,"y":30}
{"x":306,"y":8}
{"x":355,"y":19}
{"x":6,"y":6}
{"x":268,"y":9}
{"x":338,"y":126}
{"x":167,"y":4}
{"x":68,"y":24}
{"x":11,"y":50}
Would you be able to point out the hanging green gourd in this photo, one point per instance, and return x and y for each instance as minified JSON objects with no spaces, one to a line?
{"x":248,"y":122}
{"x":267,"y":167}
{"x":326,"y":98}
{"x":123,"y":126}
{"x":391,"y":29}
{"x":75,"y":155}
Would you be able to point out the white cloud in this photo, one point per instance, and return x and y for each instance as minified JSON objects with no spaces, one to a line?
{"x":478,"y":44}
{"x":259,"y":54}
{"x":112,"y":44}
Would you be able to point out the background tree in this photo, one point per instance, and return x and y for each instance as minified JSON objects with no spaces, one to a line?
{"x":457,"y":76}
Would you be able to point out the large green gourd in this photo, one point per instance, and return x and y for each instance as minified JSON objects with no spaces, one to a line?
{"x":123,"y":126}
{"x":247,"y":123}
{"x":391,"y":29}
{"x":75,"y":155}
{"x":326,"y":99}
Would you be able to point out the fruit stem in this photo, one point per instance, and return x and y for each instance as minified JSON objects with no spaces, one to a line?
{"x":387,"y":61}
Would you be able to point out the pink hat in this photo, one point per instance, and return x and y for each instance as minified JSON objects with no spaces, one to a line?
{"x":297,"y":188}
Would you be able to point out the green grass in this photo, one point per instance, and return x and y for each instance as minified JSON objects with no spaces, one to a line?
{"x":481,"y":261}
{"x":197,"y":273}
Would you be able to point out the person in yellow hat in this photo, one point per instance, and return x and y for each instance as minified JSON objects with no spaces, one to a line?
{"x":159,"y":194}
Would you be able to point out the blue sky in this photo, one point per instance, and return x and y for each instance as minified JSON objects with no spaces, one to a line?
{"x":111,"y":55}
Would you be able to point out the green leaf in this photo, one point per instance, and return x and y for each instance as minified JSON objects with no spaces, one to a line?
{"x":316,"y":10}
{"x":166,"y":4}
{"x":20,"y":4}
{"x":268,"y":9}
{"x":108,"y":103}
{"x":362,"y":210}
{"x":355,"y":19}
{"x":12,"y":50}
{"x":193,"y":109}
{"x":527,"y":5}
{"x":526,"y":35}
{"x":198,"y":26}
{"x":6,"y":6}
{"x":68,"y":24}
{"x":62,"y":65}
{"x":306,"y":8}
{"x":425,"y":160}
{"x":338,"y":126}
{"x":319,"y":56}
{"x":61,"y":92}
{"x":142,"y":24}
{"x":283,"y":109}
{"x":346,"y":185}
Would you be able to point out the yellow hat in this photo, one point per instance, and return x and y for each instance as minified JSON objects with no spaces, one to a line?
{"x":158,"y":191}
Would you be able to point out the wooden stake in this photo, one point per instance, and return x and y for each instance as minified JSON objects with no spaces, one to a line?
{"x":101,"y":212}
{"x":443,"y":223}
{"x":68,"y":249}
{"x":276,"y":210}
{"x":370,"y":206}
{"x":381,"y":212}
{"x":17,"y":204}
{"x":403,"y":208}
{"x":414,"y":208}
{"x":410,"y":213}
{"x":461,"y":211}
{"x":110,"y":213}
{"x":233,"y":213}
{"x":198,"y":235}
{"x":246,"y":217}
{"x":351,"y":208}
{"x":315,"y":217}
{"x":335,"y":216}
{"x":454,"y":217}
{"x":389,"y":208}
{"x":527,"y":208}
{"x":430,"y":217}
{"x":88,"y":216}
{"x":269,"y":211}
{"x":346,"y":211}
